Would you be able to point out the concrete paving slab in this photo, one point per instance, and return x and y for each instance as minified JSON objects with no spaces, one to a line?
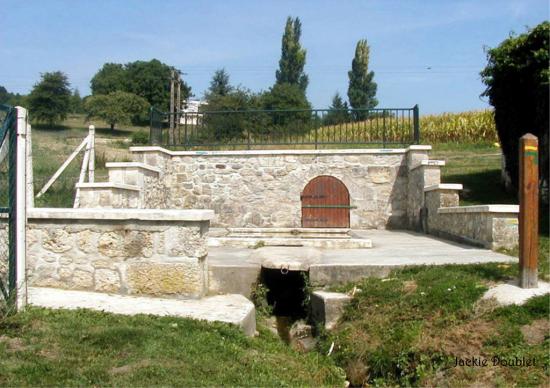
{"x":391,"y":250}
{"x":511,"y":293}
{"x":232,"y":309}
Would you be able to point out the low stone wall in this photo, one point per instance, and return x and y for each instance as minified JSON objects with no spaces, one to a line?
{"x":134,"y":251}
{"x":489,"y":226}
{"x":262,"y":188}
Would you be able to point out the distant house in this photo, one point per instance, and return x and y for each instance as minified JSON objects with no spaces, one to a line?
{"x":190,"y":112}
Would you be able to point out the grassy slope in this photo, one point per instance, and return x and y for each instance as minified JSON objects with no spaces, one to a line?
{"x":409,"y":329}
{"x":73,"y":348}
{"x":52,"y":146}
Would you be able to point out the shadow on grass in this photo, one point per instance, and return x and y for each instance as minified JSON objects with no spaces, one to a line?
{"x":50,"y":128}
{"x":113,"y":132}
{"x":482,"y":187}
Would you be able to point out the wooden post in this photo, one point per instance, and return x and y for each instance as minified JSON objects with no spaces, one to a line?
{"x":528,"y":210}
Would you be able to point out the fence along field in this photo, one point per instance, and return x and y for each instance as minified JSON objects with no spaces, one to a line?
{"x":464,"y":127}
{"x":325,"y":128}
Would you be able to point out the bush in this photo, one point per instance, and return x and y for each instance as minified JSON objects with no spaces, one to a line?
{"x":517,"y":79}
{"x":229,"y":125}
{"x":140,"y":137}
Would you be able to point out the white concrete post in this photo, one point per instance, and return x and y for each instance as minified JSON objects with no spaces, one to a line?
{"x":91,"y":167}
{"x":21,"y":209}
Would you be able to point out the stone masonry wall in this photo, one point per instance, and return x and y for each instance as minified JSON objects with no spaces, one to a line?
{"x":262,"y":188}
{"x":153,"y":257}
{"x":490,"y":226}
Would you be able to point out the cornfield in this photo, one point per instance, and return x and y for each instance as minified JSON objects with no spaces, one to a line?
{"x":463,"y":127}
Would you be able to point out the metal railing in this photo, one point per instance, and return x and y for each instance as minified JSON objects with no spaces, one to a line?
{"x":315,"y":128}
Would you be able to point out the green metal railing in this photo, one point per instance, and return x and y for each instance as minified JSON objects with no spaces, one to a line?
{"x":8,"y":117}
{"x":313,"y":128}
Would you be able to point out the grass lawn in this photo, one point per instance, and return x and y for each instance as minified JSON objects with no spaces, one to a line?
{"x":43,"y":347}
{"x":410,"y":328}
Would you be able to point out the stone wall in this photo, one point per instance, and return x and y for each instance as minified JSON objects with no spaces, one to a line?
{"x":489,"y":226}
{"x":262,"y":188}
{"x":152,"y":252}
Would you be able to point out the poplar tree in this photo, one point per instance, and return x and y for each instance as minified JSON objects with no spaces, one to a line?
{"x":219,"y":85}
{"x":293,"y":57}
{"x":362,"y":88}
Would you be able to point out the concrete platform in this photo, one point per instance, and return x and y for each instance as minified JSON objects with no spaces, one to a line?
{"x":236,"y":269}
{"x":232,"y":309}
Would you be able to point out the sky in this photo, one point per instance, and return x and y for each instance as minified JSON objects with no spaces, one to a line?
{"x":425,"y":52}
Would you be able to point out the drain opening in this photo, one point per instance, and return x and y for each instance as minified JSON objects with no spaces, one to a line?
{"x":287,"y":292}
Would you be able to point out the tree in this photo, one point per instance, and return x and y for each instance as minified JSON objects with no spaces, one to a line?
{"x":219,"y":85}
{"x":76,"y":102}
{"x":293,"y":57}
{"x":4,"y":95}
{"x":49,"y":100}
{"x":338,"y":111}
{"x":362,"y":88}
{"x":147,"y":79}
{"x":110,"y":78}
{"x":225,"y":126}
{"x":517,"y":79}
{"x":290,"y":98}
{"x":115,"y":108}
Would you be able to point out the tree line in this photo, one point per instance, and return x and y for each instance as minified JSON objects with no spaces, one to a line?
{"x":123,"y":93}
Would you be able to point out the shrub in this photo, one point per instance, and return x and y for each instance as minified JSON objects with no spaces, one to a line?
{"x":517,"y":79}
{"x":140,"y":137}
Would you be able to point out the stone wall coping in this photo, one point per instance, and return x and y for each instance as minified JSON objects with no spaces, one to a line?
{"x":281,"y":152}
{"x":132,"y":165}
{"x":419,"y":147}
{"x":480,"y":209}
{"x":121,"y":214}
{"x":429,"y":163}
{"x":444,"y":186}
{"x":106,"y":185}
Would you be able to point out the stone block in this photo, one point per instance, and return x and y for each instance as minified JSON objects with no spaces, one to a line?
{"x":107,"y":280}
{"x":166,"y":278}
{"x":379,"y":174}
{"x":58,"y":241}
{"x":87,"y":241}
{"x":328,"y":307}
{"x":82,"y":279}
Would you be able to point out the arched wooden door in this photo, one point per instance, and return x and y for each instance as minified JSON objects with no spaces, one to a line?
{"x":325,"y":203}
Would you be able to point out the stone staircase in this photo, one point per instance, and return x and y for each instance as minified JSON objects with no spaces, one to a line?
{"x":125,"y":188}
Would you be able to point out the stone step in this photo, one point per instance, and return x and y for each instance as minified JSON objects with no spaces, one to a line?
{"x":108,"y":195}
{"x":294,"y":233}
{"x":256,"y":242}
{"x":232,"y":309}
{"x":131,"y":173}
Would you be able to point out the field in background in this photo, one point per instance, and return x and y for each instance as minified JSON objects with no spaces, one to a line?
{"x":53,"y":145}
{"x":463,"y":127}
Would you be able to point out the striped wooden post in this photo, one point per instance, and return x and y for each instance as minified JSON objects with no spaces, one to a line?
{"x":528,"y":210}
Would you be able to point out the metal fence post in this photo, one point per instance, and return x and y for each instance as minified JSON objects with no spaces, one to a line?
{"x":416,"y":123}
{"x":151,"y":141}
{"x":528,"y":210}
